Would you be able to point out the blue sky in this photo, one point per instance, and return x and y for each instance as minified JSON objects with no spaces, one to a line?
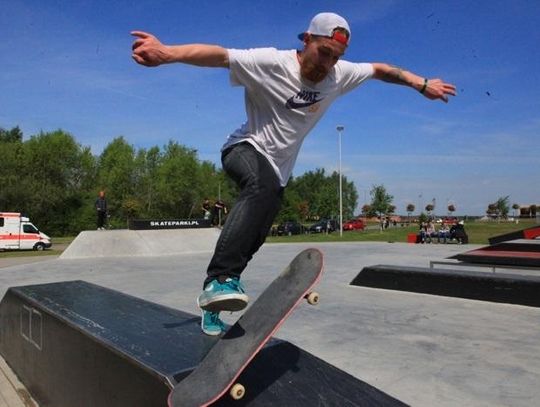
{"x":67,"y":64}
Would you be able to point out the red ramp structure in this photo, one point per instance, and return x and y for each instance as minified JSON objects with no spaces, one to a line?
{"x":529,"y":233}
{"x":516,"y":249}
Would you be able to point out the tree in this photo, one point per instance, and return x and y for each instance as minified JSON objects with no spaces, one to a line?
{"x":116,"y":172}
{"x":147,"y":163}
{"x":11,"y":151}
{"x":492,"y":210}
{"x":366,"y":210}
{"x":503,"y":206}
{"x":293,"y":208}
{"x":515,"y":207}
{"x":312,"y":187}
{"x":533,"y":209}
{"x":431,"y":207}
{"x":177,"y":181}
{"x":410,"y":209}
{"x":380,"y":200}
{"x":117,"y":176}
{"x":52,"y":169}
{"x":14,"y":135}
{"x":315,"y":195}
{"x":451,"y":209}
{"x":500,"y":208}
{"x":55,"y":181}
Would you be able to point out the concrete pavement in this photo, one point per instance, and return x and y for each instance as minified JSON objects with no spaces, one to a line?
{"x":423,"y":350}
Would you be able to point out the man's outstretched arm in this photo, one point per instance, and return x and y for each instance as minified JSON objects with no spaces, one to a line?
{"x":430,"y":88}
{"x":149,"y":51}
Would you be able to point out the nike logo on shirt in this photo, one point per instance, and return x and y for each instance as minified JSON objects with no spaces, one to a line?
{"x":302,"y":99}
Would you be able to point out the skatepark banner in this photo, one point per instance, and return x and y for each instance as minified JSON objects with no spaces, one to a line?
{"x":156,"y":224}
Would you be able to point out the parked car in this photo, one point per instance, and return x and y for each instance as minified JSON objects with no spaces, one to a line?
{"x":290,"y":228}
{"x":449,"y":220}
{"x":324,"y":226}
{"x":354,"y":224}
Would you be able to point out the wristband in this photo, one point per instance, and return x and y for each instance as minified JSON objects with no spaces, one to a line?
{"x":424,"y":86}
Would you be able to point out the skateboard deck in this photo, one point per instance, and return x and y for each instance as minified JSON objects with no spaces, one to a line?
{"x":227,"y":359}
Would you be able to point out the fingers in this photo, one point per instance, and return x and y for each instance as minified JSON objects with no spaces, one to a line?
{"x":450,"y":89}
{"x":139,"y":53}
{"x":143,"y":61}
{"x":143,"y":37}
{"x":440,"y":90}
{"x":136,"y":44}
{"x":137,"y":59}
{"x":141,"y":34}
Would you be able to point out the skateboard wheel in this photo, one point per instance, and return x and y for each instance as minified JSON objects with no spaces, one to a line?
{"x":237,"y":391}
{"x":312,"y":298}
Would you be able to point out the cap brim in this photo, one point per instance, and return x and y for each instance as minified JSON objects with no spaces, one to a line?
{"x":301,"y":36}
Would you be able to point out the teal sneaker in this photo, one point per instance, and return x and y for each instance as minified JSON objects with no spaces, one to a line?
{"x":229,"y":295}
{"x":211,"y":324}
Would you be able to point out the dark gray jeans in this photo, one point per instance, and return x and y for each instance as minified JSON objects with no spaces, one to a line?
{"x":251,"y":217}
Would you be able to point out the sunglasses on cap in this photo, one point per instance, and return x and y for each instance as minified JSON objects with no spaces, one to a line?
{"x":337,"y":35}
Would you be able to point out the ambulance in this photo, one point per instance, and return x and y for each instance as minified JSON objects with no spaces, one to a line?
{"x":17,"y":233}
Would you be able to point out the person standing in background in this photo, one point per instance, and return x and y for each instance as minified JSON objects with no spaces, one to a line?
{"x":101,"y":209}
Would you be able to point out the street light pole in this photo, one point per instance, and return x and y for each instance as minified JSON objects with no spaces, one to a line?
{"x":340,"y":130}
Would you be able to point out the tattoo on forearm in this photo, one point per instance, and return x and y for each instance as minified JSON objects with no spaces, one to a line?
{"x":395,"y":75}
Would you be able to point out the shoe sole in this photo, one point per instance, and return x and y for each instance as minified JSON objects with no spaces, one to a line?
{"x":211,"y":333}
{"x":230,"y":302}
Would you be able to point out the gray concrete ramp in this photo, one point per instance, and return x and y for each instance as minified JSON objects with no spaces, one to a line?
{"x":129,"y":243}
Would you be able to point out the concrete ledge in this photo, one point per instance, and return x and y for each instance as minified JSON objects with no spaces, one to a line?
{"x":128,"y":243}
{"x":506,"y":288}
{"x":77,"y":344}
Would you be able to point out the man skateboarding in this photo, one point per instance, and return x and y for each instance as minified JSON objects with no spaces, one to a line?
{"x":286,"y":93}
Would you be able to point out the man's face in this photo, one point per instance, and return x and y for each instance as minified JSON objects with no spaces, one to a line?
{"x":320,"y":54}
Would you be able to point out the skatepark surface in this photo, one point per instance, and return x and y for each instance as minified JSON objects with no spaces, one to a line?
{"x":424,"y":350}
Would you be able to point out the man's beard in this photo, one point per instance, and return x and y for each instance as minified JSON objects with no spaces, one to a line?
{"x":313,"y":72}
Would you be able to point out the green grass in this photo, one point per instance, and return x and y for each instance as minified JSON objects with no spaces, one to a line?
{"x":479,"y":233}
{"x":59,"y":244}
{"x":29,"y":253}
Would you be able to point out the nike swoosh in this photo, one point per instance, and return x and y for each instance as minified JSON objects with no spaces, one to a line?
{"x":291,"y":104}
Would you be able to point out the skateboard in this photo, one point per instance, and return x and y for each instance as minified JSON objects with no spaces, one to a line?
{"x":217,"y":373}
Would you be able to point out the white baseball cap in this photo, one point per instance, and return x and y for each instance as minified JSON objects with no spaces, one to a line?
{"x":325,"y":24}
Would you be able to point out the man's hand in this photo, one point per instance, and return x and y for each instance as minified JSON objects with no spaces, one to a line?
{"x":431,"y":88}
{"x":148,"y":50}
{"x":437,"y":89}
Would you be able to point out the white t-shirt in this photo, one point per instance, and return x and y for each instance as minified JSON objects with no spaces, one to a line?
{"x":282,"y":107}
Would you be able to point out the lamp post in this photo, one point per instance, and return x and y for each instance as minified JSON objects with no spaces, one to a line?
{"x":340,"y":130}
